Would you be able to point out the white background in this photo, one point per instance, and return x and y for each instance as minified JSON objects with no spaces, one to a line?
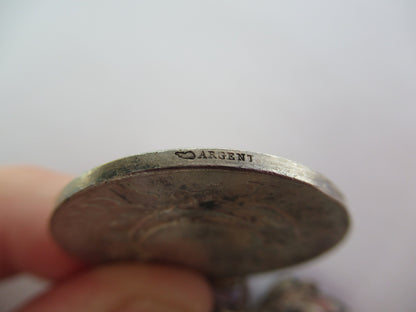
{"x":331,"y":84}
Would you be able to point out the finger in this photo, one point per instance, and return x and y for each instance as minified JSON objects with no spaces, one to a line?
{"x":27,"y":196}
{"x":128,"y":288}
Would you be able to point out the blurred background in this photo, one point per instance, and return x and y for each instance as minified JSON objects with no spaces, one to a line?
{"x":330,"y":84}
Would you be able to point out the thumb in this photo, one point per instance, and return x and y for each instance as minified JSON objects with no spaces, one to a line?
{"x":131,"y":287}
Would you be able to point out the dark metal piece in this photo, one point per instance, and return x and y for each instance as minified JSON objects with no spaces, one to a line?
{"x":299,"y":296}
{"x":231,"y":294}
{"x":225,"y":213}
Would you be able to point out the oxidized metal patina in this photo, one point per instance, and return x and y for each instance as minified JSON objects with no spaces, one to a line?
{"x":225,"y":213}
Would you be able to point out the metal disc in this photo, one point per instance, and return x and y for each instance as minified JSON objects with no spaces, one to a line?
{"x":223,"y":212}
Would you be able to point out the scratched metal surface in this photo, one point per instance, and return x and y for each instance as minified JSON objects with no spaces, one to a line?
{"x":222,"y":212}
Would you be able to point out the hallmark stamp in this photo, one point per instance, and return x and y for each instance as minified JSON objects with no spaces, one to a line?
{"x":209,"y":154}
{"x":186,"y":155}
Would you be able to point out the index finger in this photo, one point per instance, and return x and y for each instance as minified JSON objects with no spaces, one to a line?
{"x":27,"y":197}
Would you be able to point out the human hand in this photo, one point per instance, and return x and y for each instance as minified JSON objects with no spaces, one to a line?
{"x":27,"y":196}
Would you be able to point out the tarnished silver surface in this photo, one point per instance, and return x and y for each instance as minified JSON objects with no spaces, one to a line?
{"x":223,"y":212}
{"x":299,"y":296}
{"x":231,"y":294}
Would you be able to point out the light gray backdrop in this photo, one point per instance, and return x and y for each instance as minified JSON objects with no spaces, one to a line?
{"x":331,"y":84}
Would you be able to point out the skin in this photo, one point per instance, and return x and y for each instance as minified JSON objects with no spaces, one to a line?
{"x":27,"y":196}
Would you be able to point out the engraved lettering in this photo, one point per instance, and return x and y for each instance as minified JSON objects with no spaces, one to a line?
{"x":212,"y":155}
{"x":186,"y":155}
{"x":202,"y":155}
{"x":223,"y":155}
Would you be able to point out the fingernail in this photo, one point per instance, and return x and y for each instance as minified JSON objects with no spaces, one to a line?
{"x":148,"y":306}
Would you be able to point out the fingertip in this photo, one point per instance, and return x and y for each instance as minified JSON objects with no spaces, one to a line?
{"x":129,"y":287}
{"x":27,"y":198}
{"x":181,"y":288}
